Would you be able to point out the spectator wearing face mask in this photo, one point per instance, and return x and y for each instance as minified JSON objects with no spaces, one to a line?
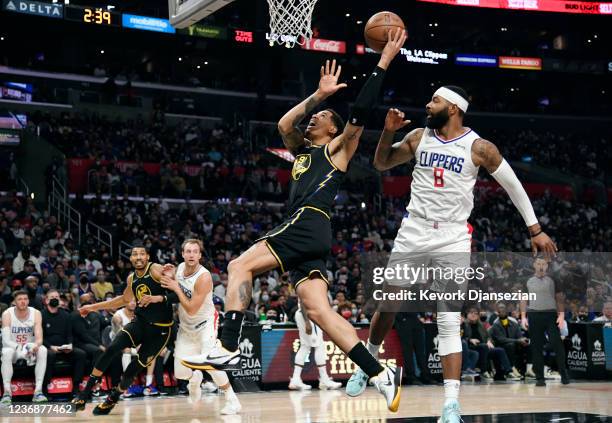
{"x":48,"y":265}
{"x":84,"y":286}
{"x":101,"y":286}
{"x":57,"y":337}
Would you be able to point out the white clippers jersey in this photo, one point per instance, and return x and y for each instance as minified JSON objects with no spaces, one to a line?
{"x":124,"y":318}
{"x":206,"y":311}
{"x":443,"y":178}
{"x":22,"y":332}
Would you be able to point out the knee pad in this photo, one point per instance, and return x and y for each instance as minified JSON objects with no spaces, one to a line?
{"x":449,"y":334}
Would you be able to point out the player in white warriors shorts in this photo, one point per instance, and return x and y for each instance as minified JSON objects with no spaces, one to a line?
{"x":448,"y":157}
{"x":311,"y":336}
{"x":22,"y":338}
{"x":199,"y":319}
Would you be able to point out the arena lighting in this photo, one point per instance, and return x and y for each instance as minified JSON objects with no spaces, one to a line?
{"x":561,"y":6}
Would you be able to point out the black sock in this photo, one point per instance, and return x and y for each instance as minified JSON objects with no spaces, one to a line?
{"x":115,"y":394}
{"x":232,"y":325}
{"x":91,"y":382}
{"x":362,"y":357}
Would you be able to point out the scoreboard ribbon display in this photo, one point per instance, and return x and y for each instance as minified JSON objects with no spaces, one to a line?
{"x":562,"y":6}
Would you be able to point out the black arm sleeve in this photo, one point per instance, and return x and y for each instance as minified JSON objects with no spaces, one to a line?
{"x":367,"y":97}
{"x":172,"y":298}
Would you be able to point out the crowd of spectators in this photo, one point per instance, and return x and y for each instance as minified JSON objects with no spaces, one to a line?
{"x":208,"y":163}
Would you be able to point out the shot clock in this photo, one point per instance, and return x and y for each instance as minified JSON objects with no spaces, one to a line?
{"x":92,"y":15}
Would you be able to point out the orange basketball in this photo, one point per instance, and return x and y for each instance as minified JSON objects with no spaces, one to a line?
{"x":377,"y":28}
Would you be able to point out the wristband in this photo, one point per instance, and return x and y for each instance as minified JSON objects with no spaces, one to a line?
{"x":537,"y":233}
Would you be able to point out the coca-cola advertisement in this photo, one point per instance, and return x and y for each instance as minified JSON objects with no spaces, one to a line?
{"x":329,"y":46}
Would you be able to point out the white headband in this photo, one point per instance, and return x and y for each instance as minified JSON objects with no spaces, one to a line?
{"x":453,"y":98}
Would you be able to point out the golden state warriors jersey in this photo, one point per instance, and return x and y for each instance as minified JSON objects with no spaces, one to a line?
{"x":314,"y":179}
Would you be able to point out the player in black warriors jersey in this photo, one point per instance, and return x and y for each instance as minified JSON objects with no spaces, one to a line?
{"x":301,"y":244}
{"x":151,"y":328}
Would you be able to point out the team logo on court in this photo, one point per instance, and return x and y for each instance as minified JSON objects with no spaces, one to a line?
{"x":246,"y":348}
{"x":576,"y":341}
{"x":142,"y":290}
{"x":300,"y":165}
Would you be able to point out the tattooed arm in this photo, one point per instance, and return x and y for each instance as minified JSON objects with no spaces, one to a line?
{"x":288,"y":124}
{"x":388,"y":154}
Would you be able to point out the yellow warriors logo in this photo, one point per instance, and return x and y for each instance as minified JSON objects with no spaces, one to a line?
{"x":301,"y":165}
{"x":142,"y":290}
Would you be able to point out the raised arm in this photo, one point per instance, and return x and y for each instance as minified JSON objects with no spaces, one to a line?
{"x":389,"y":154}
{"x":486,"y":154}
{"x":288,"y":124}
{"x":343,"y":147}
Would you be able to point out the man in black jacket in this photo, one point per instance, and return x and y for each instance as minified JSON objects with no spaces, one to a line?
{"x":87,"y":331}
{"x":506,"y":333}
{"x":57,"y":337}
{"x":478,"y":339}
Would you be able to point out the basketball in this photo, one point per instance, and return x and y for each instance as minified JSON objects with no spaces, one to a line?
{"x":377,"y":28}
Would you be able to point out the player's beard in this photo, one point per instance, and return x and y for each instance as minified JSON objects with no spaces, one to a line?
{"x":438,"y":120}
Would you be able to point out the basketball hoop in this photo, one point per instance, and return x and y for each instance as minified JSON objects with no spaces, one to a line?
{"x":290,"y":21}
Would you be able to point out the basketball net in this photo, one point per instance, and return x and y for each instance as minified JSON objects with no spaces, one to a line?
{"x":290,"y":21}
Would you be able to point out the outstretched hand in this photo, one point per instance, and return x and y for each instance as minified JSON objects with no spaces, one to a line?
{"x":544,"y":244}
{"x":328,"y":84}
{"x":395,"y":40}
{"x":394,"y":120}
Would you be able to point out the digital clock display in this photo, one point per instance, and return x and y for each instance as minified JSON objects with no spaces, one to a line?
{"x":92,"y":15}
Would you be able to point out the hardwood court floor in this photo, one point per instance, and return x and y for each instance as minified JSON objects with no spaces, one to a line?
{"x":479,"y":402}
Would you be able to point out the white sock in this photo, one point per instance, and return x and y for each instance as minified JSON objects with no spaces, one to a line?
{"x":529,"y":367}
{"x":451,"y":390}
{"x":149,"y":380}
{"x":323,"y":372}
{"x":229,"y":393}
{"x":126,"y":359}
{"x":297,"y":372}
{"x":373,"y":349}
{"x":7,"y":369}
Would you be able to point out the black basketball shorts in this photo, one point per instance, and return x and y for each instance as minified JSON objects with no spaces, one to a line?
{"x":301,"y":244}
